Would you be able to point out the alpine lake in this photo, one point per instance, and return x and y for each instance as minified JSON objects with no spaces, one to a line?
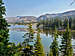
{"x":16,"y":33}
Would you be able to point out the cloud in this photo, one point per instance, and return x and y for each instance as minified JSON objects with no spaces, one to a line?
{"x":72,"y":2}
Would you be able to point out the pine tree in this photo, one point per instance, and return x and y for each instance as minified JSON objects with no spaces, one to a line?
{"x":3,"y":31}
{"x":29,"y":38}
{"x":31,"y":31}
{"x":51,"y":53}
{"x":54,"y":46}
{"x":66,"y":47}
{"x":39,"y":51}
{"x":12,"y":49}
{"x":70,"y":22}
{"x":65,"y":23}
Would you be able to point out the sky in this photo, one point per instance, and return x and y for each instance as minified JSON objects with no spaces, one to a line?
{"x":36,"y":7}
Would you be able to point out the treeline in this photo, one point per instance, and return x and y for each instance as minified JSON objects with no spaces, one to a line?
{"x":60,"y":23}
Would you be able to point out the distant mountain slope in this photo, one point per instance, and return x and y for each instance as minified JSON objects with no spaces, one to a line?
{"x":24,"y":19}
{"x":12,"y":19}
{"x":20,"y":19}
{"x":58,"y":15}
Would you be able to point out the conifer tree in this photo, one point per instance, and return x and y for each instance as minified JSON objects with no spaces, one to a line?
{"x":31,"y":31}
{"x":70,"y":22}
{"x":3,"y":31}
{"x":54,"y":46}
{"x":39,"y":51}
{"x":66,"y":47}
{"x":51,"y":53}
{"x":28,"y":48}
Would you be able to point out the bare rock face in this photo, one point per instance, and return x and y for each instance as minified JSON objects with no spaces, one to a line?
{"x":12,"y":19}
{"x":21,"y":19}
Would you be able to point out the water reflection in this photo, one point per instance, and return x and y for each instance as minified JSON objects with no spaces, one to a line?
{"x":73,"y":35}
{"x":50,"y":32}
{"x":17,"y":32}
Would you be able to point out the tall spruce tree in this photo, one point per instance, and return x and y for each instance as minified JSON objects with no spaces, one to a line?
{"x":66,"y":47}
{"x":29,"y":38}
{"x":54,"y":46}
{"x":3,"y":31}
{"x":70,"y":22}
{"x":39,"y":51}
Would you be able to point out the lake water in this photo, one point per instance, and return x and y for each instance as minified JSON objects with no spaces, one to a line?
{"x":17,"y":32}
